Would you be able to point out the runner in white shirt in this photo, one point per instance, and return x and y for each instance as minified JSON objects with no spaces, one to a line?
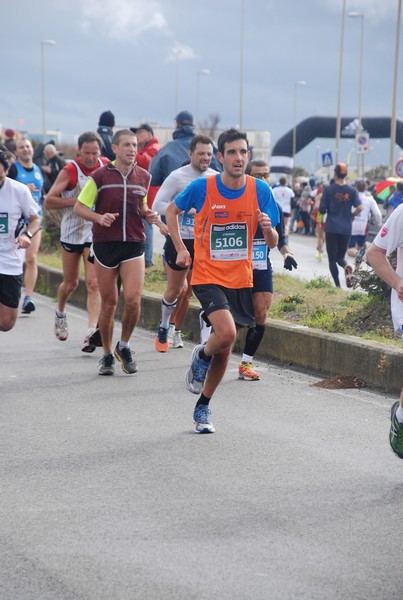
{"x":359,"y":229}
{"x":16,"y":203}
{"x":283,"y":195}
{"x":390,"y":238}
{"x":176,"y":299}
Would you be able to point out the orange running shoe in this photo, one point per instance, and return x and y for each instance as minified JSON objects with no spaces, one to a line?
{"x":161,"y":342}
{"x":247,"y":372}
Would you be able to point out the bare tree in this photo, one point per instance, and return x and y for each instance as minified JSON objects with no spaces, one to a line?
{"x":210,"y":126}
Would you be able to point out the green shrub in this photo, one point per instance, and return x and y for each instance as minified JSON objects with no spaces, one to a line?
{"x":320,"y":282}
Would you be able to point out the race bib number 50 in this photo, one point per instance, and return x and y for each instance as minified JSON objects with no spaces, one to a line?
{"x":229,"y":241}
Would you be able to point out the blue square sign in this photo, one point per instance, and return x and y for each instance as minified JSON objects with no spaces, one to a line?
{"x":327,"y":159}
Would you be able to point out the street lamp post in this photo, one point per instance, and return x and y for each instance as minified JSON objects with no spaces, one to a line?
{"x":43,"y":44}
{"x":338,"y":119}
{"x":241,"y":66}
{"x":199,"y":73}
{"x":297,"y":84}
{"x":177,"y":52}
{"x":360,"y":157}
{"x":395,"y":86}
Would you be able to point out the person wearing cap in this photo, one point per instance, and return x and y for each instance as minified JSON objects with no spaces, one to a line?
{"x":175,"y":153}
{"x":105,"y":130}
{"x":148,"y":146}
{"x":340,"y":202}
{"x":10,"y":141}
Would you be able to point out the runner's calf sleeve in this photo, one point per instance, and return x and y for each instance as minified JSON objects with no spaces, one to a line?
{"x":253,"y":339}
{"x":166,"y":312}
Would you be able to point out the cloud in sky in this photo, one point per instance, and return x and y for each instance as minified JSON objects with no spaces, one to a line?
{"x":123,"y":20}
{"x":181,"y":51}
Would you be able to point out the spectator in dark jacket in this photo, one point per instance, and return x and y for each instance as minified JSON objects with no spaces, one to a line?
{"x":174,"y":154}
{"x":54,"y":164}
{"x":105,"y":130}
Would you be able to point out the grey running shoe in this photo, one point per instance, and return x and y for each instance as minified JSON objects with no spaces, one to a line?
{"x":171,"y":332}
{"x":396,"y":432}
{"x":61,"y":331}
{"x":196,"y":374}
{"x":177,"y":341}
{"x":28,"y":306}
{"x":125,"y":358}
{"x":107,"y":362}
{"x":201,"y":419}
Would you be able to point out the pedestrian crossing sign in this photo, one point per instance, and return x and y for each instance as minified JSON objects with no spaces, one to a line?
{"x":327,"y":159}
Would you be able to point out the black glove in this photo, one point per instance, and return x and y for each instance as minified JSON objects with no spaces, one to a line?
{"x":290,"y":262}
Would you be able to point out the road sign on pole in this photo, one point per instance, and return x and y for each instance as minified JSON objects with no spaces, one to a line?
{"x":327,"y":159}
{"x":362,"y":142}
{"x":399,"y":168}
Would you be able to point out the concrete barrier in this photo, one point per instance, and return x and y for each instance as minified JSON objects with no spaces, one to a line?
{"x":379,"y":365}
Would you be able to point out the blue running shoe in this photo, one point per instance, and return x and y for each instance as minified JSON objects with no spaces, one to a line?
{"x":201,"y":418}
{"x":161,"y":342}
{"x":196,"y":373}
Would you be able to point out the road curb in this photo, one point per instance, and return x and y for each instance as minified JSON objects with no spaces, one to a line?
{"x":378,"y":364}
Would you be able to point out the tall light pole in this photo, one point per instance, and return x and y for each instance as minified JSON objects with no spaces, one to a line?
{"x":338,"y":119}
{"x":177,"y":52}
{"x":297,"y":84}
{"x":394,"y":98}
{"x":199,"y":73}
{"x":241,"y":47}
{"x":43,"y":44}
{"x":360,"y":157}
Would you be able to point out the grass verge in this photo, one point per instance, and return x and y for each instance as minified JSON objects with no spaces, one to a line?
{"x":316,"y":303}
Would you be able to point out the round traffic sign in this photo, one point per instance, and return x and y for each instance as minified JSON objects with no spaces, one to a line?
{"x":399,"y":168}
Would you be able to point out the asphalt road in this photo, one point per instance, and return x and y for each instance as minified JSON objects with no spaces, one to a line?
{"x":107,"y":493}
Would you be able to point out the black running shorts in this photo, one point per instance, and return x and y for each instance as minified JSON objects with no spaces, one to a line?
{"x":10,"y":290}
{"x":238,"y":302}
{"x":75,"y":248}
{"x":169,"y":253}
{"x":111,"y":254}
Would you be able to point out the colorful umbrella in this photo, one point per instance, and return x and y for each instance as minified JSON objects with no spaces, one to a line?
{"x":383,"y":189}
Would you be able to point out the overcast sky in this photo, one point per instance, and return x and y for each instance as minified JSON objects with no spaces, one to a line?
{"x":117,"y":55}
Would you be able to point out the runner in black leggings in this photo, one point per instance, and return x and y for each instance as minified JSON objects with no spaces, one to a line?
{"x":338,"y":201}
